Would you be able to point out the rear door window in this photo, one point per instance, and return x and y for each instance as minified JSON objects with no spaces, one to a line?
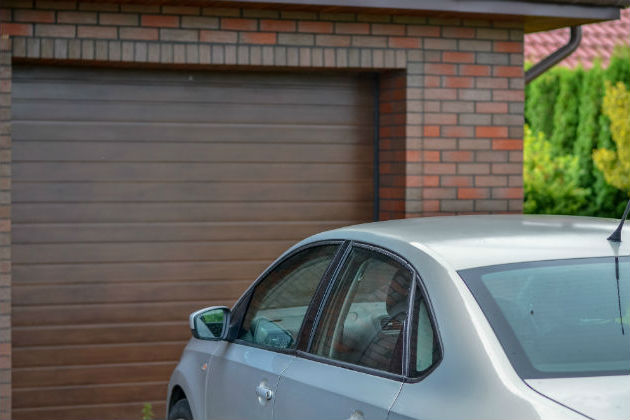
{"x":364,"y":320}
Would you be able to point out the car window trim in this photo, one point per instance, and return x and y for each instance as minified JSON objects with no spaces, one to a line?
{"x":245,"y":298}
{"x":305,"y":335}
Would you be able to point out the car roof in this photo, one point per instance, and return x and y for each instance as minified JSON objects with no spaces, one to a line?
{"x":482,"y":240}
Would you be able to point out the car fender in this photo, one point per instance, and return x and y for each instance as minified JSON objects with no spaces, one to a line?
{"x":190,"y":375}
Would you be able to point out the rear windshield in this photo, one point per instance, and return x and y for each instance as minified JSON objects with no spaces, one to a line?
{"x":565,"y":318}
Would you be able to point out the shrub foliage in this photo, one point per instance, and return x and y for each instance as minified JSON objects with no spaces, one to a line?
{"x":568,"y":119}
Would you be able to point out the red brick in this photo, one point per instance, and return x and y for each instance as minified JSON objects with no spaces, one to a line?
{"x":458,"y":32}
{"x":147,"y":34}
{"x":474,"y":70}
{"x":508,"y":71}
{"x":76,"y":17}
{"x":391,"y":193}
{"x":428,"y":181}
{"x":424,"y":31}
{"x":472,"y":193}
{"x":258,"y":38}
{"x":430,"y":205}
{"x":491,"y":131}
{"x":491,"y":107}
{"x":352,"y":28}
{"x":440,"y":69}
{"x":430,"y":156}
{"x":333,"y":41}
{"x":457,"y":181}
{"x":458,"y":57}
{"x":239,"y":24}
{"x":17,"y":29}
{"x":490,"y":181}
{"x":459,"y":82}
{"x":5,"y":363}
{"x":388,"y":29}
{"x":440,"y":168}
{"x":507,"y":144}
{"x":507,"y":168}
{"x":440,"y":93}
{"x":393,"y":205}
{"x":180,"y":10}
{"x":36,"y":16}
{"x":163,"y":21}
{"x":457,"y":131}
{"x":507,"y":192}
{"x":101,"y":32}
{"x":120,"y":19}
{"x":438,"y":193}
{"x":432,"y":81}
{"x":431,"y":130}
{"x":441,"y":118}
{"x":413,"y":181}
{"x":277,"y":25}
{"x":513,"y":95}
{"x":403,"y":42}
{"x":316,"y":27}
{"x":225,"y":37}
{"x":457,"y":156}
{"x":508,"y":47}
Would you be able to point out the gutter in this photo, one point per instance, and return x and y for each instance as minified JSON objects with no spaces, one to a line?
{"x":556,"y":56}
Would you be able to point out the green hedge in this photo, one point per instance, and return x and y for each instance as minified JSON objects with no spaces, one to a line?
{"x":564,"y":107}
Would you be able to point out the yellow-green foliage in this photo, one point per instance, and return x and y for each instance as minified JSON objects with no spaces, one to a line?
{"x":551,"y":183}
{"x":615,"y":164}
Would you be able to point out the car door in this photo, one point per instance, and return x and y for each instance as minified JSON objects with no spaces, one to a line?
{"x":243,"y":374}
{"x":352,"y":366}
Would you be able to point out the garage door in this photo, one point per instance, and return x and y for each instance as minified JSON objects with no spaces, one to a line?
{"x":141,"y":195}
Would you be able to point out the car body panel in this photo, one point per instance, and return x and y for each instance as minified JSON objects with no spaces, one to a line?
{"x":311,"y":389}
{"x":604,"y":397}
{"x":235,"y":373}
{"x":476,"y":241}
{"x":190,"y":374}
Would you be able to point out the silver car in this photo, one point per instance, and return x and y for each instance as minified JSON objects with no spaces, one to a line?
{"x":468,"y":317}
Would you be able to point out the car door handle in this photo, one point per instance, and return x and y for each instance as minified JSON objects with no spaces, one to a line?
{"x":263,"y":392}
{"x":356,"y":415}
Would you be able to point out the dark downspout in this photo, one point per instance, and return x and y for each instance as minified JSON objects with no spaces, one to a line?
{"x":556,"y":56}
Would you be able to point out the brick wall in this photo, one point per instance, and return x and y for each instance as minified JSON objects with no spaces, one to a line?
{"x":451,"y":90}
{"x":5,"y":227}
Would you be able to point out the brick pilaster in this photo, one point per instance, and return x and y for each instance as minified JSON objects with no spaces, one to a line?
{"x":5,"y":228}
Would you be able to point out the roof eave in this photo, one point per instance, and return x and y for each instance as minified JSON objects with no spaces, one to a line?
{"x":535,"y":16}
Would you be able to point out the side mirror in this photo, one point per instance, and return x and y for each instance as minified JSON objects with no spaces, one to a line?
{"x":210,"y":323}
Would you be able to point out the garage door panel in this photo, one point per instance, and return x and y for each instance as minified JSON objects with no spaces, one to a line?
{"x":97,"y":394}
{"x":210,"y":93}
{"x":202,"y":132}
{"x":191,"y":172}
{"x":100,"y":334}
{"x":142,"y":195}
{"x":147,"y":251}
{"x":96,"y":411}
{"x":130,"y":292}
{"x":155,"y":271}
{"x":160,"y":232}
{"x":191,"y":152}
{"x":142,"y":112}
{"x":200,"y":192}
{"x":91,"y":375}
{"x":187,"y":212}
{"x":97,"y":354}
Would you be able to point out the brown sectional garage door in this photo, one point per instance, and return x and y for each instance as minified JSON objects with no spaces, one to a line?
{"x":140,"y":195}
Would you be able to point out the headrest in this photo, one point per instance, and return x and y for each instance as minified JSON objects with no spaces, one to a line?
{"x":398,"y":292}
